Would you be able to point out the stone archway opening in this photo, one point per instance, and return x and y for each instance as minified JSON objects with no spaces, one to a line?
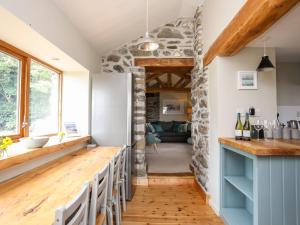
{"x":153,"y":69}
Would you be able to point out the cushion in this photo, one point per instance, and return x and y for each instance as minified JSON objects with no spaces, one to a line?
{"x":158,"y":128}
{"x":166,"y":126}
{"x":176,"y":127}
{"x":182,"y":128}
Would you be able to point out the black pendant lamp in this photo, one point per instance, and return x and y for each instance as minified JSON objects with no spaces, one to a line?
{"x":265,"y":64}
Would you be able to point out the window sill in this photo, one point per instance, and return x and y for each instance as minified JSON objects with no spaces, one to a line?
{"x":23,"y":155}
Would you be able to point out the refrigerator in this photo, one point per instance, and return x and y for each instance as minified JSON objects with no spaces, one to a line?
{"x":112,"y":115}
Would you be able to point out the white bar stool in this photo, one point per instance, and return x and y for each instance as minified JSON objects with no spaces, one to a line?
{"x":123,"y":175}
{"x":76,"y":211}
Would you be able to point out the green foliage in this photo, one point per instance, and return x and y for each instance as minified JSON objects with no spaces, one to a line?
{"x":42,"y":84}
{"x":9,"y":70}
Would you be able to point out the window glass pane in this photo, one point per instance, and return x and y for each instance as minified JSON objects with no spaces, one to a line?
{"x":9,"y":94}
{"x":44,"y":100}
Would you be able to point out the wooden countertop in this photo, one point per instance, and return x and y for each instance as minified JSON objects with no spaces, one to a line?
{"x":24,"y":155}
{"x":32,"y":198}
{"x":265,"y":147}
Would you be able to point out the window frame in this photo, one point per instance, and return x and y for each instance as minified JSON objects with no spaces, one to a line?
{"x":24,"y":94}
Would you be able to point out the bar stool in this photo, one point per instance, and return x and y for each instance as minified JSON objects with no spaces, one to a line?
{"x":76,"y":211}
{"x":97,"y":214}
{"x":123,"y":175}
{"x":113,"y":193}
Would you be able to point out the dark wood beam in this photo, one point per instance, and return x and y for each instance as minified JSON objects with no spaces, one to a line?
{"x":174,"y":70}
{"x":164,"y":62}
{"x":253,"y":19}
{"x":169,"y":82}
{"x":185,"y":83}
{"x":178,"y":83}
{"x":152,"y":77}
{"x":167,"y":89}
{"x":162,"y":84}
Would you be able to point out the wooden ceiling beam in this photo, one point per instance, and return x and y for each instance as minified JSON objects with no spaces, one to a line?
{"x":167,"y":89}
{"x":173,"y":70}
{"x":185,"y":83}
{"x":253,"y":19}
{"x":178,"y":83}
{"x":169,"y":82}
{"x":162,"y":84}
{"x":164,"y":62}
{"x":152,"y":77}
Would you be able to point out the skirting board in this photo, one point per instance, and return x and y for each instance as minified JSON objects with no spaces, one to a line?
{"x":202,"y":192}
{"x":140,"y":181}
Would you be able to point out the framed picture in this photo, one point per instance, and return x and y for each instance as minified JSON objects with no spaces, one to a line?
{"x":71,"y":129}
{"x":247,"y":80}
{"x":173,"y":107}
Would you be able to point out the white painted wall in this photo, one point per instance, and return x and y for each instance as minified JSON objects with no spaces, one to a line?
{"x":173,"y":96}
{"x":225,"y":99}
{"x":216,"y":16}
{"x":288,"y":91}
{"x":46,"y":19}
{"x":76,"y":103}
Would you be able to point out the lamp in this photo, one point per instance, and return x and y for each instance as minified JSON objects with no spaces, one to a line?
{"x":265,"y":64}
{"x":147,"y":43}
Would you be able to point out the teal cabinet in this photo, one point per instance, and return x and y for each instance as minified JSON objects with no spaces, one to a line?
{"x":259,"y":190}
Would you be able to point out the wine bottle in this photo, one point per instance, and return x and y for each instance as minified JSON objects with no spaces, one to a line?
{"x":239,"y":128}
{"x":247,"y":129}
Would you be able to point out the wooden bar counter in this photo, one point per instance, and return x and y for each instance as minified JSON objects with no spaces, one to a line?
{"x":265,"y":147}
{"x":32,"y":198}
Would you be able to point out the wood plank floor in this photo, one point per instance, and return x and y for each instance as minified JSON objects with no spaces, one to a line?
{"x":169,"y":205}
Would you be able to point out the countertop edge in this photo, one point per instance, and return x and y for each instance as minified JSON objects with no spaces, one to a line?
{"x":259,"y":150}
{"x":38,"y":152}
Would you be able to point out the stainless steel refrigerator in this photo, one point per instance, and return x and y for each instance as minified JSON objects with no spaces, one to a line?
{"x":112,"y":115}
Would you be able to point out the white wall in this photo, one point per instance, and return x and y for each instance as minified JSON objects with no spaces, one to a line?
{"x":216,"y":16}
{"x":173,"y":96}
{"x":288,"y":91}
{"x":47,"y":20}
{"x":225,"y":99}
{"x":76,"y":103}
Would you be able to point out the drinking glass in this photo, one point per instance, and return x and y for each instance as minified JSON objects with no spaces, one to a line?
{"x":258,"y":125}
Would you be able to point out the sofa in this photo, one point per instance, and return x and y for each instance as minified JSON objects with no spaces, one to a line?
{"x":170,"y":131}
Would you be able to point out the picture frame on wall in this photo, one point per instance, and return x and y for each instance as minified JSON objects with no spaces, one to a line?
{"x":247,"y":80}
{"x":173,"y":107}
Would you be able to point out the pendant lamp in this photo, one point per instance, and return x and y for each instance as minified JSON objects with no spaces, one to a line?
{"x":147,"y":43}
{"x":265,"y":64}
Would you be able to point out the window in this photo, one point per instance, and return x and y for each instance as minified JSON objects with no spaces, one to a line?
{"x":44,"y":100}
{"x":9,"y":94}
{"x":30,"y":99}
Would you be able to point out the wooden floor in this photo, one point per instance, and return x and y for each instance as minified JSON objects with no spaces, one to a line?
{"x":169,"y":205}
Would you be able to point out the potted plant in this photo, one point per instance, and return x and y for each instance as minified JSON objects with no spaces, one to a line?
{"x":4,"y":143}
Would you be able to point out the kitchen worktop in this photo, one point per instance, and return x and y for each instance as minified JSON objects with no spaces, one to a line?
{"x":265,"y":147}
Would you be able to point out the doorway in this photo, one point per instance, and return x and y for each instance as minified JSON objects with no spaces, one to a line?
{"x":168,"y":115}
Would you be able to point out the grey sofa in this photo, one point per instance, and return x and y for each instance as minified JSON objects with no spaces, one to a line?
{"x":170,"y":133}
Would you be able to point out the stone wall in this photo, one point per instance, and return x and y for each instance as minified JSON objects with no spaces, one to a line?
{"x":200,"y":118}
{"x":176,"y":41}
{"x":152,"y":107}
{"x":139,"y":120}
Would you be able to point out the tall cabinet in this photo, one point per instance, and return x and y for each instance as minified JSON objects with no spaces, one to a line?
{"x":259,"y":189}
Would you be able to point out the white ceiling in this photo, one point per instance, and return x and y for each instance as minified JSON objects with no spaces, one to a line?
{"x":284,"y":36}
{"x":107,"y":24}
